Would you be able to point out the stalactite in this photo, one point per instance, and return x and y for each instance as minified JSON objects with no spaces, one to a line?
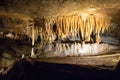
{"x":59,"y":26}
{"x":91,"y":24}
{"x":75,"y":25}
{"x":33,"y":36}
{"x":102,"y":24}
{"x":80,"y":26}
{"x":67,"y":26}
{"x":107,"y":23}
{"x":63,"y":26}
{"x":73,"y":30}
{"x":87,"y":30}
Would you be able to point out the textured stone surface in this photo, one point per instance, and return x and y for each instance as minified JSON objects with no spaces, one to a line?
{"x":41,"y":8}
{"x":76,"y":49}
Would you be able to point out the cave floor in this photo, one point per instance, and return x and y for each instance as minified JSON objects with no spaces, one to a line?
{"x":66,"y":68}
{"x":106,"y":61}
{"x":99,"y":67}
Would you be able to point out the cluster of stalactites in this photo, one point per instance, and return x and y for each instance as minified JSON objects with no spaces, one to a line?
{"x":46,"y":31}
{"x":76,"y":26}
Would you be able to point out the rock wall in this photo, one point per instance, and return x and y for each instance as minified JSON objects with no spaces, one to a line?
{"x":40,"y":8}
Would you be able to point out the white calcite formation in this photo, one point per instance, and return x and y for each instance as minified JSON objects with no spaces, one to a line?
{"x":76,"y":48}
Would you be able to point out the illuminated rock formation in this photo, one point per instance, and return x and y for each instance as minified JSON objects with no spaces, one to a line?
{"x":82,"y":26}
{"x":77,"y":23}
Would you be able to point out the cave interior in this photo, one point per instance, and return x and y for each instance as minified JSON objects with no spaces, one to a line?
{"x":53,"y":32}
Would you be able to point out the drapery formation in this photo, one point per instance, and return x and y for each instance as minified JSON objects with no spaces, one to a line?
{"x":83,"y":27}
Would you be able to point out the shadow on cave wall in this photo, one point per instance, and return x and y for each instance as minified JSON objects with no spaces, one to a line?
{"x":10,"y":48}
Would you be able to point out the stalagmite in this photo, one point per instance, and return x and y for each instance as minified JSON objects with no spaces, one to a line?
{"x":83,"y":43}
{"x":75,"y":49}
{"x":23,"y":56}
{"x":32,"y":53}
{"x":67,"y":46}
{"x":64,"y":49}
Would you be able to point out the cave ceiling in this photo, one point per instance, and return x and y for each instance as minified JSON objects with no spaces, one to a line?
{"x":44,"y":8}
